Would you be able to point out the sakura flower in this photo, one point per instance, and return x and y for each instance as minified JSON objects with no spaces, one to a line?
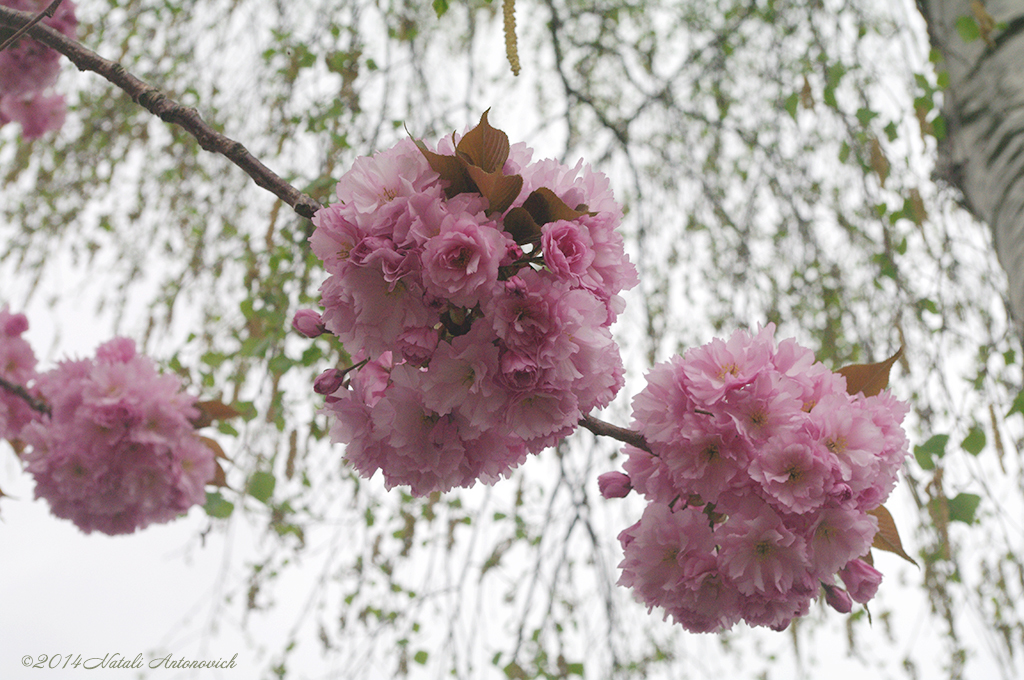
{"x":118,"y":450}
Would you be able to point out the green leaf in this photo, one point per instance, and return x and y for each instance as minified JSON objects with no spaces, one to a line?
{"x":968,"y":29}
{"x":791,"y":103}
{"x":440,"y":6}
{"x":1018,"y":405}
{"x":217,"y":506}
{"x":934,"y":447}
{"x":261,"y":486}
{"x":974,"y":442}
{"x":963,"y":507}
{"x":420,"y":657}
{"x":514,"y":670}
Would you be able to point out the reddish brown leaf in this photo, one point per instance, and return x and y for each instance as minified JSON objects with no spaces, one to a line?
{"x":888,"y":538}
{"x":879,"y":163}
{"x":545,"y":206}
{"x":219,"y":478}
{"x":869,"y":378}
{"x":917,"y":209}
{"x":499,"y":190}
{"x":521,"y":226}
{"x":210,"y":411}
{"x":451,"y":169}
{"x":211,"y":444}
{"x":484,"y":146}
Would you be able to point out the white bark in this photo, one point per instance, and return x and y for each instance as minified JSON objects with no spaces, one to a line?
{"x":983,"y":153}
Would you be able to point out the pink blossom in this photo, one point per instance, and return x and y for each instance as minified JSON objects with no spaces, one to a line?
{"x":568,"y":250}
{"x":28,"y":69}
{"x":18,"y":368}
{"x":118,"y":451}
{"x":794,"y":472}
{"x":759,"y":554}
{"x":785,"y":465}
{"x":461,"y":262}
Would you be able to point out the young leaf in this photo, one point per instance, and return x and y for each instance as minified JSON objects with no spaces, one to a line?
{"x":210,"y":411}
{"x":935,"y":447}
{"x":451,"y":169}
{"x":879,"y":163}
{"x":521,"y":226}
{"x":217,"y":506}
{"x":484,"y":146}
{"x":869,"y":378}
{"x":974,"y":442}
{"x":1018,"y":405}
{"x":499,"y":190}
{"x":545,"y":206}
{"x":962,"y":507}
{"x":261,"y":486}
{"x":888,"y":538}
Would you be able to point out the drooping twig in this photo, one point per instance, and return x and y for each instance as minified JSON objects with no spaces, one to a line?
{"x":165,"y":108}
{"x":603,"y":429}
{"x":48,"y":12}
{"x":22,"y":393}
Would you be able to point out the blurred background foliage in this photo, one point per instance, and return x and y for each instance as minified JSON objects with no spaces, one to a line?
{"x":775,"y":160}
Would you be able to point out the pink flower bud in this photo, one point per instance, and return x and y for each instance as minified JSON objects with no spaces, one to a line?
{"x":309,"y":323}
{"x":614,"y":484}
{"x":838,"y":599}
{"x":329,"y":381}
{"x":861,"y":579}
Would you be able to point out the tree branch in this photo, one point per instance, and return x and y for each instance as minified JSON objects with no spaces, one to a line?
{"x":48,"y":12}
{"x":164,"y":107}
{"x":601,"y":428}
{"x":22,"y":393}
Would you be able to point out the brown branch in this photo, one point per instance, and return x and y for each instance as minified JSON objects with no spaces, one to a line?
{"x":603,"y":429}
{"x":165,"y":108}
{"x":48,"y":12}
{"x":22,"y":393}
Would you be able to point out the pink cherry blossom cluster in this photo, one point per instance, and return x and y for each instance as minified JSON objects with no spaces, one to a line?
{"x":117,"y":450}
{"x":17,"y":369}
{"x":28,"y":69}
{"x":481,"y":345}
{"x":760,"y":477}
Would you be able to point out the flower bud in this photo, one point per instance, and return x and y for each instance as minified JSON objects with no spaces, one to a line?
{"x":329,"y":381}
{"x":309,"y":323}
{"x":838,"y":599}
{"x":861,"y":579}
{"x":614,"y":484}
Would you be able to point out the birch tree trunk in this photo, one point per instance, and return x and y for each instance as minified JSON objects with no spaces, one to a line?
{"x":983,"y":152}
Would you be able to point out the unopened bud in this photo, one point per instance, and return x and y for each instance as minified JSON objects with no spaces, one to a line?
{"x":614,"y":484}
{"x":838,"y":599}
{"x":329,"y":381}
{"x":309,"y":323}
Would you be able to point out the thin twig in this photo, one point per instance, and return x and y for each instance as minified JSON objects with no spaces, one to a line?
{"x":22,"y":393}
{"x":48,"y":12}
{"x":603,"y":429}
{"x":165,"y":108}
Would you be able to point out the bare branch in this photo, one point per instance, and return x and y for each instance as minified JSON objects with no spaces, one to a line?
{"x":165,"y":108}
{"x":22,"y":393}
{"x":48,"y":12}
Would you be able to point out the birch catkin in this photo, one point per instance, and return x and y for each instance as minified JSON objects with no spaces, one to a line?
{"x":511,"y":49}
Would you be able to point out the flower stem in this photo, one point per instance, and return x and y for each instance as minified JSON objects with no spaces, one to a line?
{"x":603,"y":429}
